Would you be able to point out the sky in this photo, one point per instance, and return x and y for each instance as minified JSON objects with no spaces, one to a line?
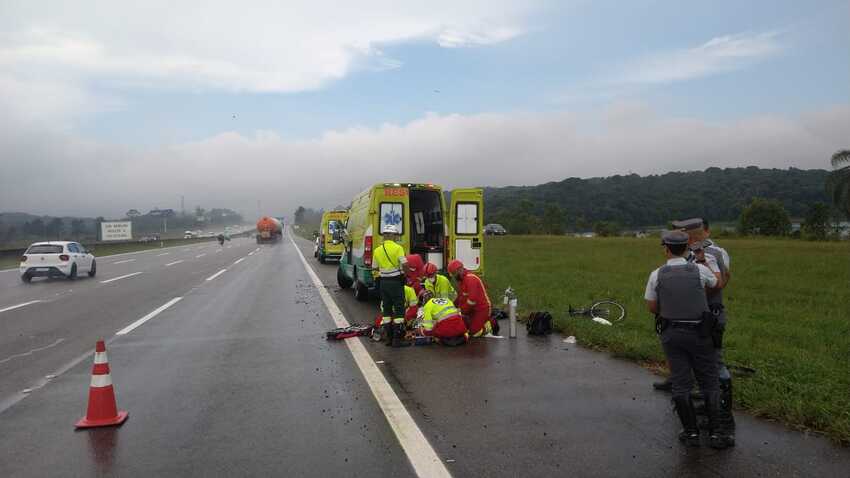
{"x":112,"y":105}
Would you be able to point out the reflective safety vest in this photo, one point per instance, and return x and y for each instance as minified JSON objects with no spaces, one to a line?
{"x":436,"y":311}
{"x":410,"y":298}
{"x":440,"y":287}
{"x":388,"y":257}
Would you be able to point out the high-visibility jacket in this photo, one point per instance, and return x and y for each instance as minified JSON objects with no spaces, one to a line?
{"x":388,"y":259}
{"x":472,"y":296}
{"x":441,"y":318}
{"x":440,"y":287}
{"x":410,"y":297}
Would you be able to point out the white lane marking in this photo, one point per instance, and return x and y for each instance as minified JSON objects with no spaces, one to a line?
{"x":173,"y":263}
{"x":218,"y":251}
{"x":251,"y":253}
{"x":422,"y":456}
{"x":216,"y":274}
{"x":163,"y":254}
{"x":126,"y":330}
{"x":54,"y":344}
{"x":18,"y":306}
{"x":199,"y":256}
{"x":119,"y":278}
{"x":238,"y":261}
{"x":124,"y":261}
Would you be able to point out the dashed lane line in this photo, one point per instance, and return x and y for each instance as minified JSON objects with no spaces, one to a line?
{"x":126,"y":330}
{"x":18,"y":306}
{"x":124,"y":261}
{"x":199,"y":256}
{"x":238,"y":261}
{"x":216,"y":275}
{"x":174,"y":263}
{"x":163,"y":254}
{"x":120,"y":277}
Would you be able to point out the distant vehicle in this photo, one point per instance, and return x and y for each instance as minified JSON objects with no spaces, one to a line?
{"x":189,"y":235}
{"x":269,"y":229}
{"x":438,"y":228}
{"x":150,"y":238}
{"x":61,"y":258}
{"x":316,"y":246}
{"x":494,"y":230}
{"x":330,"y":244}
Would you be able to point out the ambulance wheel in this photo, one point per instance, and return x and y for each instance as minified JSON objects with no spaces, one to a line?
{"x":361,"y":292}
{"x":343,"y":280}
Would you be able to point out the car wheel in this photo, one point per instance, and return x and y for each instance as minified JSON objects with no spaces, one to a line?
{"x":73,"y":274}
{"x":361,"y":292}
{"x":93,"y":269}
{"x":343,"y":280}
{"x":26,"y":278}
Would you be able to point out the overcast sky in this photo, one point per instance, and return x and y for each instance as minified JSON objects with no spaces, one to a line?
{"x":110,"y":105}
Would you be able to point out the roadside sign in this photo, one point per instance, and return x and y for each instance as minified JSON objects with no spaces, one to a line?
{"x":116,"y":231}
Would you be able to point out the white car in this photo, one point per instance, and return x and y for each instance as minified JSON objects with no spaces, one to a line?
{"x":59,"y":258}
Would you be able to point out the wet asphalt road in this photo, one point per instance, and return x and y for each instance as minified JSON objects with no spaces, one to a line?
{"x":236,"y":379}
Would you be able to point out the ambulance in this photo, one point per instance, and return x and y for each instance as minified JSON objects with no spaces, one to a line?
{"x":329,"y":242}
{"x":439,"y":226}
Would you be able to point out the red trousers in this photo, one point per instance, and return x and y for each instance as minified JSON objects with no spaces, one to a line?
{"x":477,"y":319}
{"x":452,"y":327}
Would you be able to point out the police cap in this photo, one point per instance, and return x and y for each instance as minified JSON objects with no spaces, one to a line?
{"x":673,"y":238}
{"x":688,"y":224}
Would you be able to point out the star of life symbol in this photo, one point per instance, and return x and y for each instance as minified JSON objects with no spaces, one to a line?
{"x":392,"y":218}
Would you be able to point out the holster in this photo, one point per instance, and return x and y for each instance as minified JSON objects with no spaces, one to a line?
{"x":661,"y":324}
{"x":707,"y":325}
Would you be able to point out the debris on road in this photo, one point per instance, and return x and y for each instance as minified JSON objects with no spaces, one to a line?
{"x":570,"y":340}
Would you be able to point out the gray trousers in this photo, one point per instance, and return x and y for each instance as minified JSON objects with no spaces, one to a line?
{"x":689,"y":356}
{"x":722,"y":371}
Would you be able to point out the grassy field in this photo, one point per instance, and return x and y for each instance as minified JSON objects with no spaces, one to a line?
{"x":788,"y":305}
{"x":111,"y":249}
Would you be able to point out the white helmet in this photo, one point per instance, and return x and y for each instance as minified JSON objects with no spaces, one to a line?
{"x":390,"y":229}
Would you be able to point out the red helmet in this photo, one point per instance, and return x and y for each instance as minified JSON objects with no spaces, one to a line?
{"x":455,"y":266}
{"x":430,"y":269}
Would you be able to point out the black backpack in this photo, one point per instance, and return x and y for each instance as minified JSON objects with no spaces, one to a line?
{"x":539,"y":323}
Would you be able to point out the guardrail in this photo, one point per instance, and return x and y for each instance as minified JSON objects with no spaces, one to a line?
{"x":6,"y":253}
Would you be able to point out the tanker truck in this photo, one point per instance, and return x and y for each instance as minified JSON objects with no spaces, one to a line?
{"x":269,"y":229}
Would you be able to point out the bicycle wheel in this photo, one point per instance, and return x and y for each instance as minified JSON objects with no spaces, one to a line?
{"x":608,"y":310}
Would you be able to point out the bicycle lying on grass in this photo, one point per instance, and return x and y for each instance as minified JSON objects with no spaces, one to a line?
{"x":605,"y":311}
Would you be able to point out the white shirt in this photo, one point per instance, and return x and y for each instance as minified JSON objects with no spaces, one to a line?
{"x":706,"y":276}
{"x":723,"y":253}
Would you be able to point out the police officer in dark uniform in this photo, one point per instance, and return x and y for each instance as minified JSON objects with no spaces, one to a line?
{"x":675,"y":293}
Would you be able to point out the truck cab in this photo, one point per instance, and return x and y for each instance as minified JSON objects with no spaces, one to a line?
{"x":438,"y":226}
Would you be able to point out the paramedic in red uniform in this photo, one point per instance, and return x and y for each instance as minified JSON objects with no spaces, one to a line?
{"x":415,"y":272}
{"x":472,"y":299}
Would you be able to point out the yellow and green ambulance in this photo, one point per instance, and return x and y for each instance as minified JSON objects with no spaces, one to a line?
{"x":439,"y":226}
{"x":330,"y":244}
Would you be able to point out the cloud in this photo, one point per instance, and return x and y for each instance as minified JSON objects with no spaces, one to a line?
{"x":262,"y":46}
{"x":234,"y":170}
{"x":718,"y":55}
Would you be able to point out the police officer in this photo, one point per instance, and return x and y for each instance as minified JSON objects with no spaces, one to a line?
{"x":699,"y":234}
{"x":675,"y":293}
{"x":390,"y":261}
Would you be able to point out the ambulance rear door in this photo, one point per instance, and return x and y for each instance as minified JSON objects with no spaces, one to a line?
{"x":466,"y":230}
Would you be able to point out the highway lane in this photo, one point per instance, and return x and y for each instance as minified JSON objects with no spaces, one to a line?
{"x":38,"y":339}
{"x":535,"y":406}
{"x":234,"y":379}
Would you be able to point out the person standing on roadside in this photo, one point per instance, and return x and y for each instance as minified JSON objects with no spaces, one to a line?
{"x":699,"y":233}
{"x":675,"y":293}
{"x":390,"y":261}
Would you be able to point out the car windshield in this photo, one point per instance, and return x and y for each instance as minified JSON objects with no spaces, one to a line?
{"x":45,"y":249}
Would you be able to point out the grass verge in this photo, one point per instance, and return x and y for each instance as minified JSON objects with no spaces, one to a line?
{"x":787,"y":303}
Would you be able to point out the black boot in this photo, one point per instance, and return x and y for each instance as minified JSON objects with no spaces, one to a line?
{"x":717,"y":436}
{"x":665,"y":386}
{"x":398,"y":336}
{"x":690,"y":433}
{"x":725,"y":416}
{"x":387,"y":332}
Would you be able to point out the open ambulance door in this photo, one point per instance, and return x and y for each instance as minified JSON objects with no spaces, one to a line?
{"x":466,"y":230}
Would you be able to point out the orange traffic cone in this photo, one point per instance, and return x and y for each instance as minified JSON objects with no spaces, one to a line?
{"x":102,"y":411}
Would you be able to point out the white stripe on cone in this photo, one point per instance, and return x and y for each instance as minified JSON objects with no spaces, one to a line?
{"x":100,"y":357}
{"x":100,"y":381}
